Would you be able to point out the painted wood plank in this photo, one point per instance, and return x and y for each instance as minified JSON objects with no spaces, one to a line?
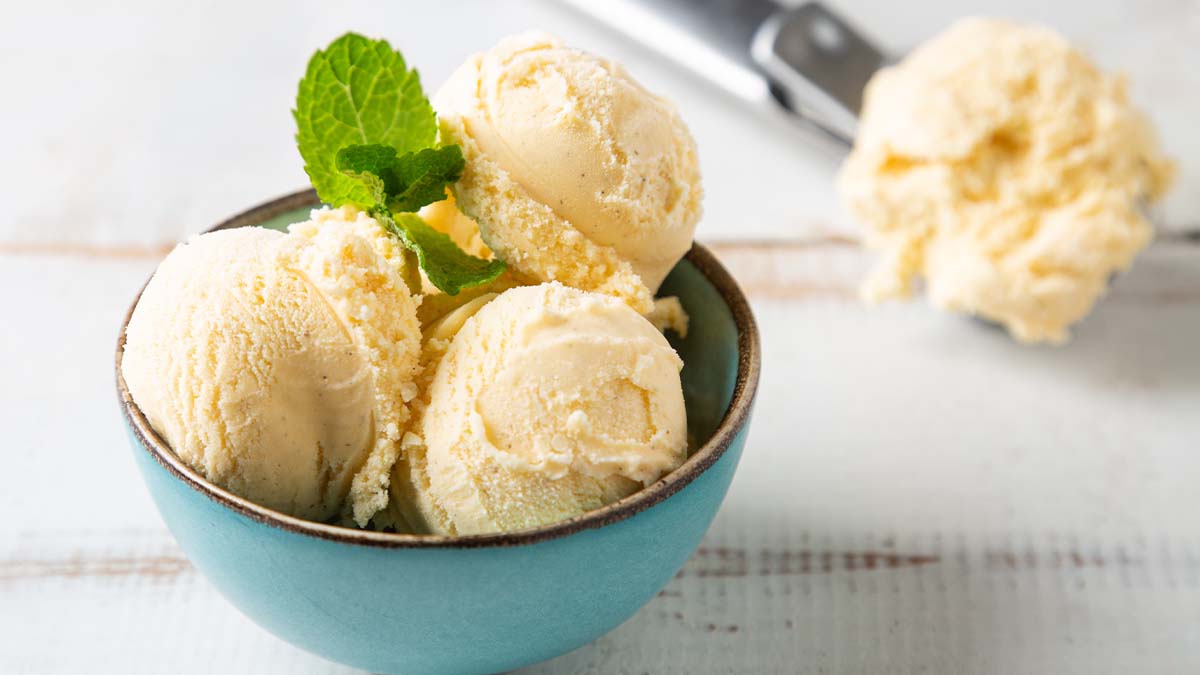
{"x":753,"y":599}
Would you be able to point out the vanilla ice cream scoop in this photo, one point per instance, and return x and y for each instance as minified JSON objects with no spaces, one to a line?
{"x":1000,"y":165}
{"x":275,"y":365}
{"x":575,"y":172}
{"x":549,"y":402}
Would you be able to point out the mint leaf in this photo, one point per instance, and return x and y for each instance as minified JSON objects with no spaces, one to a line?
{"x":367,"y":135}
{"x":447,"y":266}
{"x":406,"y":182}
{"x":398,"y":184}
{"x":373,"y":166}
{"x":357,"y":91}
{"x":424,"y":175}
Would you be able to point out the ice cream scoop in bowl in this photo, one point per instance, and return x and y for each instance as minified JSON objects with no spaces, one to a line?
{"x":485,"y":603}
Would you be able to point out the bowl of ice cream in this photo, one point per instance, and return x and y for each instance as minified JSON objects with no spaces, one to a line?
{"x":389,"y":602}
{"x":473,"y":399}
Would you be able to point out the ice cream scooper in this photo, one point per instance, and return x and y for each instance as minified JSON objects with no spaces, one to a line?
{"x":804,"y":62}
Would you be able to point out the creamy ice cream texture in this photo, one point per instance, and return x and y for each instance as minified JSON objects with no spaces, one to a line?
{"x":278,"y":366}
{"x":575,"y":172}
{"x":1000,"y":165}
{"x":307,"y":371}
{"x":546,"y":403}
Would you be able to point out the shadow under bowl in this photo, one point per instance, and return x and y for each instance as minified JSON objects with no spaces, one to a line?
{"x":392,"y":603}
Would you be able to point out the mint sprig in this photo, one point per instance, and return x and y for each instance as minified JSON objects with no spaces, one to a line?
{"x":368,"y":136}
{"x":404,"y":183}
{"x":448,"y":267}
{"x":400,"y":184}
{"x":357,"y":91}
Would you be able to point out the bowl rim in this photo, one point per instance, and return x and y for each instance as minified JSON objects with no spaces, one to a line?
{"x":735,"y":419}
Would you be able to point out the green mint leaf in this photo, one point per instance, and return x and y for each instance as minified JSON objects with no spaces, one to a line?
{"x":424,"y":175}
{"x":403,"y":183}
{"x":374,"y":166}
{"x":447,"y":266}
{"x":367,"y":133}
{"x":356,"y":92}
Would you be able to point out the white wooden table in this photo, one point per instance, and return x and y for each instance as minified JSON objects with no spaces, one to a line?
{"x":919,"y":494}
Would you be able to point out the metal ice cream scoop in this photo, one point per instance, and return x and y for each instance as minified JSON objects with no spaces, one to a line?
{"x":804,"y":61}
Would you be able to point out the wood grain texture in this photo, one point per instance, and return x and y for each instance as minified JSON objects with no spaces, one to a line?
{"x":935,"y":603}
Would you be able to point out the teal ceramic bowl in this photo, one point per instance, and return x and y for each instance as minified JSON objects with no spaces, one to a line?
{"x":392,"y":603}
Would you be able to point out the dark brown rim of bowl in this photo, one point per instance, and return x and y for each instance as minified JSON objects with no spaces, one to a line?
{"x":745,"y":386}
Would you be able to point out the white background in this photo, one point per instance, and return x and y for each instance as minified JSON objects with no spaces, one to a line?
{"x":919,"y":494}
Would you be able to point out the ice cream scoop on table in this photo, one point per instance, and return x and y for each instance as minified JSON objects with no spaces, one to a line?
{"x":996,"y":164}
